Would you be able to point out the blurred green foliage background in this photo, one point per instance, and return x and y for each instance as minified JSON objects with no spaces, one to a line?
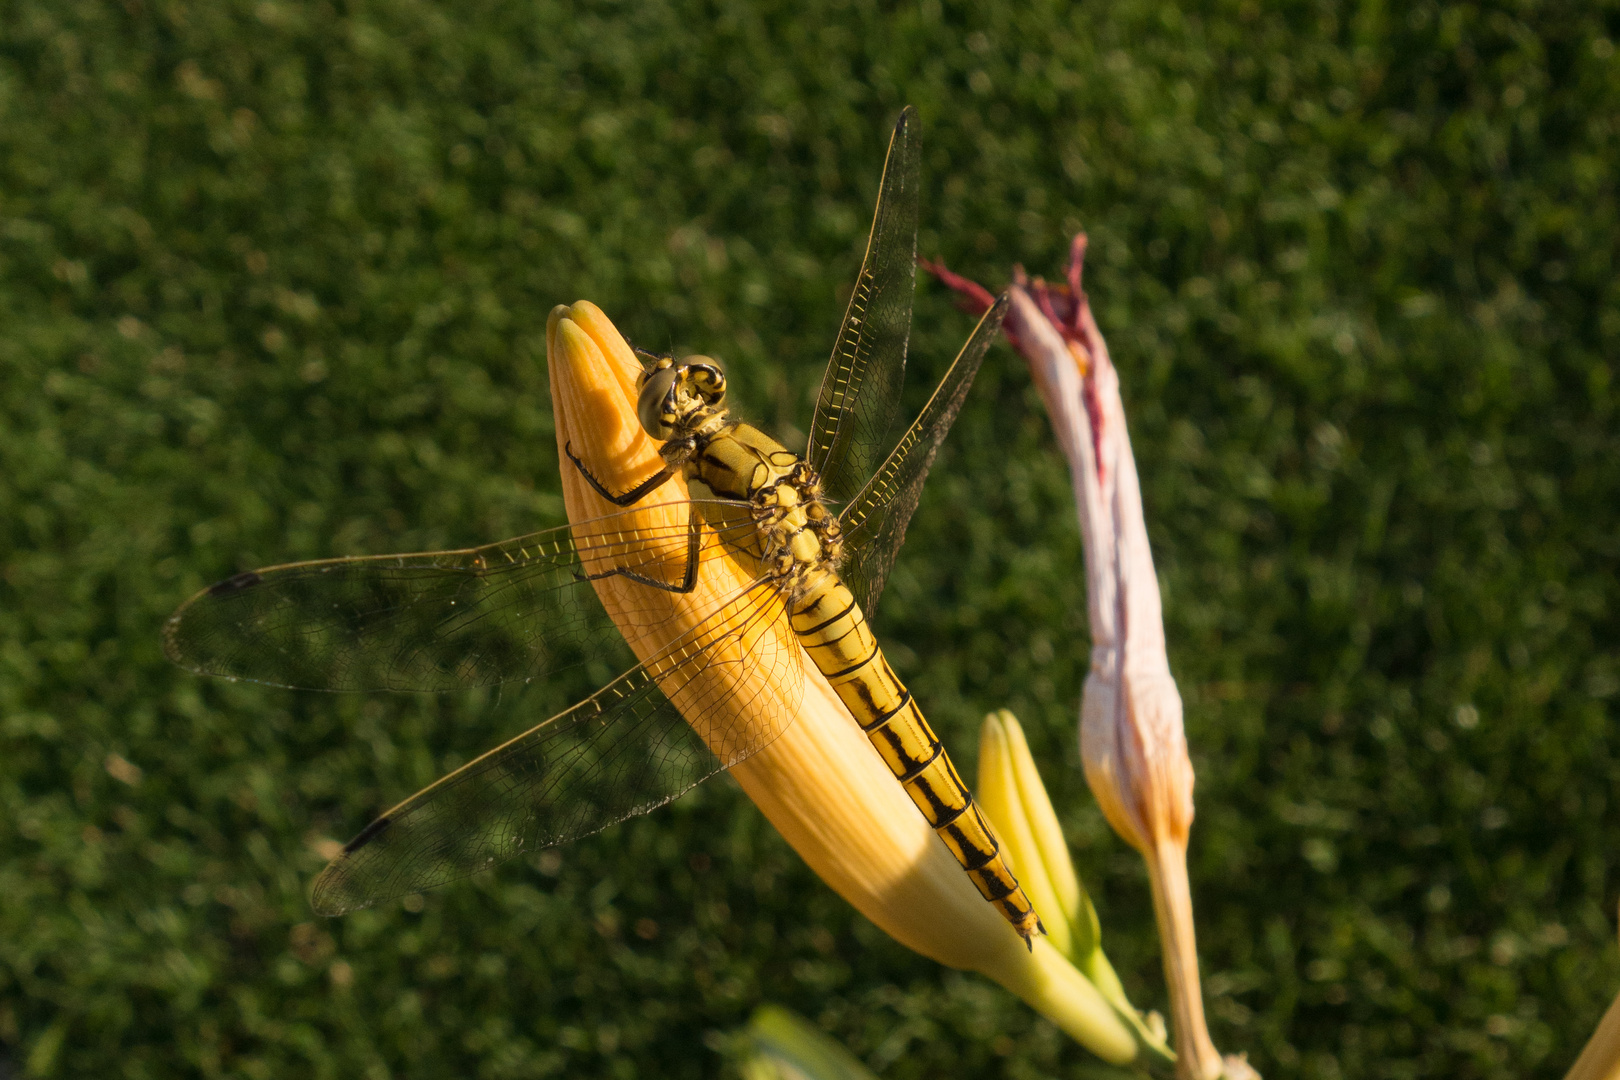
{"x":273,"y":286}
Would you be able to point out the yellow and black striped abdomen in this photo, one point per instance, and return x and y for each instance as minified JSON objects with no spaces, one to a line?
{"x":834,"y":631}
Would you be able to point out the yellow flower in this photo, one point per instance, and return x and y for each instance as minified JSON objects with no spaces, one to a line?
{"x":820,"y":783}
{"x":1014,"y":799}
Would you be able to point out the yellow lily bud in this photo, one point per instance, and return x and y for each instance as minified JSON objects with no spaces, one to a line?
{"x":820,"y":782}
{"x":1014,"y":798}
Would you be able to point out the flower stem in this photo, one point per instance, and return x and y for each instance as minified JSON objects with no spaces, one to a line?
{"x":1196,"y":1056}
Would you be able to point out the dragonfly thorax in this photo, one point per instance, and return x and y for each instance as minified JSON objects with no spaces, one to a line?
{"x":799,"y":537}
{"x":681,"y":404}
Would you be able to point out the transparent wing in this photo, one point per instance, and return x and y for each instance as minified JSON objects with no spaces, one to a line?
{"x":518,"y":609}
{"x":621,"y":752}
{"x":875,"y":521}
{"x":860,"y":392}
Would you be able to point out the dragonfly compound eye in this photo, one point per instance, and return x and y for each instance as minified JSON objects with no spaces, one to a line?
{"x":705,"y":378}
{"x":659,"y":363}
{"x":655,"y":407}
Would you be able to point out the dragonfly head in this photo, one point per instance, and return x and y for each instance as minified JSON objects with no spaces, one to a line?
{"x":674,"y":391}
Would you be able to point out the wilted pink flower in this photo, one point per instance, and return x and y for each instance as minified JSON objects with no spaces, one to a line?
{"x":1131,"y":735}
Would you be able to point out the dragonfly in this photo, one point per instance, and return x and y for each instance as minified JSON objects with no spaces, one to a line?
{"x":533,"y":607}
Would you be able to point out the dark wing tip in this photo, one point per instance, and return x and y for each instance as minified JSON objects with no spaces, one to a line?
{"x":171,"y":642}
{"x":334,"y":892}
{"x":998,"y":310}
{"x":176,"y":645}
{"x":178,"y":640}
{"x":332,"y":896}
{"x":906,"y":139}
{"x":232,"y":585}
{"x":367,"y":835}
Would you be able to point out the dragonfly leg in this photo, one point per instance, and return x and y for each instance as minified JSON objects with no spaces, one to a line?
{"x":694,"y":542}
{"x":629,"y":498}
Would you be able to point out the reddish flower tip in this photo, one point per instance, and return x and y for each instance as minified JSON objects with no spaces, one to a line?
{"x":976,"y":299}
{"x":1077,"y":261}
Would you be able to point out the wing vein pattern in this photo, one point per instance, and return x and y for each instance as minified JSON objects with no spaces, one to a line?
{"x":875,"y":520}
{"x":516,"y":610}
{"x":639,"y":742}
{"x":532,"y":608}
{"x":860,"y":391}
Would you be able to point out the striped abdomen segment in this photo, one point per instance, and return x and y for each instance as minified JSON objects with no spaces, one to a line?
{"x":834,"y":631}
